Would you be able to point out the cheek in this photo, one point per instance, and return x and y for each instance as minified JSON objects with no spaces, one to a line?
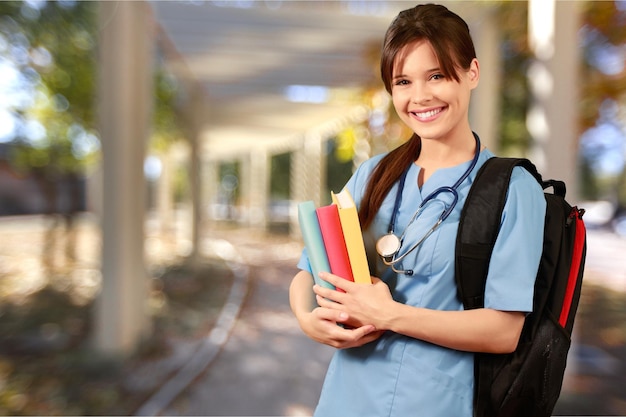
{"x":399,"y":102}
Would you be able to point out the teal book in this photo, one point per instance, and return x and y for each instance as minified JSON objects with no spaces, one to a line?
{"x":313,"y":241}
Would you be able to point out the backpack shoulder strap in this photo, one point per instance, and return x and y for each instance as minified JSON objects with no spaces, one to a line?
{"x":480,"y":224}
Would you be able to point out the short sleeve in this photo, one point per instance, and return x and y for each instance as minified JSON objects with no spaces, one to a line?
{"x":304,"y":263}
{"x":517,"y":251}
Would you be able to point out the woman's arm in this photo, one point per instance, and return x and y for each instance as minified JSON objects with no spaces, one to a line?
{"x":300,"y":297}
{"x":321,"y":323}
{"x":480,"y":330}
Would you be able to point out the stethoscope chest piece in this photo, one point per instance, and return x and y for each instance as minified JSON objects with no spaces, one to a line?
{"x":387,"y":247}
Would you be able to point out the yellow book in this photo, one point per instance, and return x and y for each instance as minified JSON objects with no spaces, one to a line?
{"x":351,"y":227}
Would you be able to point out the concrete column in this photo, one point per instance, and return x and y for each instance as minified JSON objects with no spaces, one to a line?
{"x":192,"y":114}
{"x":308,"y":173}
{"x":552,"y":119}
{"x":297,"y":175}
{"x":553,"y":78}
{"x":125,"y":95}
{"x":485,"y":105}
{"x":297,"y":184}
{"x":197,"y":111}
{"x":165,"y":194}
{"x":315,"y":174}
{"x":256,"y":175}
{"x":210,"y":185}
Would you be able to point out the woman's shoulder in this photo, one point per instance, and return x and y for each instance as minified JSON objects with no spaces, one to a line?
{"x":520,"y":177}
{"x":370,"y":164}
{"x":360,"y":178}
{"x":365,"y":169}
{"x":523,"y":186}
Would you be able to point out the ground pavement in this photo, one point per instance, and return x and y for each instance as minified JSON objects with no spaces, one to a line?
{"x":267,"y":367}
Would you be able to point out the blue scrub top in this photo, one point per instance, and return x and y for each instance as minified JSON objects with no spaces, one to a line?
{"x":400,"y":376}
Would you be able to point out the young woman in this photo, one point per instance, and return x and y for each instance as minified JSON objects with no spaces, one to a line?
{"x":405,"y":344}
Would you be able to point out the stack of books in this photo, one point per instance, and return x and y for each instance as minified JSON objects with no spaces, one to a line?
{"x":333,"y":239}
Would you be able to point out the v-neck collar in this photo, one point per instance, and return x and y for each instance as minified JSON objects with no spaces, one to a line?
{"x":443,"y":176}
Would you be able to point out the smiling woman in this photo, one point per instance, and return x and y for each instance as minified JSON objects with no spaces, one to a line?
{"x":408,"y":329}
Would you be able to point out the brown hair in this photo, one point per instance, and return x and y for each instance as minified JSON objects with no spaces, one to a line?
{"x":450,"y":38}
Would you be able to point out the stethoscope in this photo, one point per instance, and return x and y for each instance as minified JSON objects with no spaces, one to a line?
{"x":389,"y":245}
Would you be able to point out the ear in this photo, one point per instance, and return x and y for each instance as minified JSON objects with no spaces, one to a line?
{"x":473,"y":74}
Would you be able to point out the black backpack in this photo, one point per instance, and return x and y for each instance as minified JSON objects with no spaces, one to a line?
{"x":527,"y":382}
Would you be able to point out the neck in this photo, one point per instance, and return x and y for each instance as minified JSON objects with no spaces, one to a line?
{"x":437,"y":153}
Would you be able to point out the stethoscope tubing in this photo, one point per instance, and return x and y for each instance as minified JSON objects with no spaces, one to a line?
{"x":393,"y":258}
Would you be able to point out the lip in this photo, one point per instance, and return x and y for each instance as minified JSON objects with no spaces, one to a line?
{"x":427,"y":115}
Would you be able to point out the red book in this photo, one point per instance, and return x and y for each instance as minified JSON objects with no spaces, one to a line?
{"x":334,"y":242}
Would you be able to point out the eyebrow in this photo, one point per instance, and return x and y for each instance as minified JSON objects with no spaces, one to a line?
{"x":428,"y":71}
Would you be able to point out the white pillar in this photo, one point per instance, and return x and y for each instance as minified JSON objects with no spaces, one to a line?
{"x":255,"y":188}
{"x":165,"y":194}
{"x":553,"y":79}
{"x":210,"y":185}
{"x":297,"y":184}
{"x":485,"y":105}
{"x":314,"y":166}
{"x":125,"y":89}
{"x":552,"y":119}
{"x":197,"y":114}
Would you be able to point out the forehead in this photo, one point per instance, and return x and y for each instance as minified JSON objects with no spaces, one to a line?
{"x":418,"y":55}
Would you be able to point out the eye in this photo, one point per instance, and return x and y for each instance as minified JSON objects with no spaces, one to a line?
{"x":401,"y":81}
{"x":437,"y":77}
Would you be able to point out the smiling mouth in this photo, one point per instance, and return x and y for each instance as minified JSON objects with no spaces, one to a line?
{"x":427,"y":114}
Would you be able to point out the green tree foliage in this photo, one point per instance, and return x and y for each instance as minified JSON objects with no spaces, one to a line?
{"x":602,"y":80}
{"x":166,"y":123}
{"x":280,"y":187}
{"x":515,"y":95}
{"x":603,"y":90}
{"x":53,"y":44}
{"x":604,"y":31}
{"x":51,"y":47}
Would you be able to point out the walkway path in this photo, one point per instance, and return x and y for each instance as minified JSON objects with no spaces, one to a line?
{"x":606,"y":259}
{"x":267,"y":367}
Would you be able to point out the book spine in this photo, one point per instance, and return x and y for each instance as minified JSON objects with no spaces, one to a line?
{"x":351,"y":227}
{"x":332,"y":234}
{"x":313,"y":242}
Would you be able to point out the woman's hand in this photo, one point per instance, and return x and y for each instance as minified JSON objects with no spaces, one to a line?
{"x":323,"y":325}
{"x":361,"y":304}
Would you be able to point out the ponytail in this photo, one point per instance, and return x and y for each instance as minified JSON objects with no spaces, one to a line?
{"x":384,"y":176}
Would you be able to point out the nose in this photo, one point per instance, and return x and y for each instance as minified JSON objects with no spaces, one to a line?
{"x":421,"y":93}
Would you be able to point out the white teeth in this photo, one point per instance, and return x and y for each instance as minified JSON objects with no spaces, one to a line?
{"x":427,"y":114}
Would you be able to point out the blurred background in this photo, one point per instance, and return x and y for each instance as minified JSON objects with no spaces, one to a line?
{"x":152,"y":155}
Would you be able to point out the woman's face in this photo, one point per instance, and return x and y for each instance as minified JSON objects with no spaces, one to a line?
{"x":432,"y":105}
